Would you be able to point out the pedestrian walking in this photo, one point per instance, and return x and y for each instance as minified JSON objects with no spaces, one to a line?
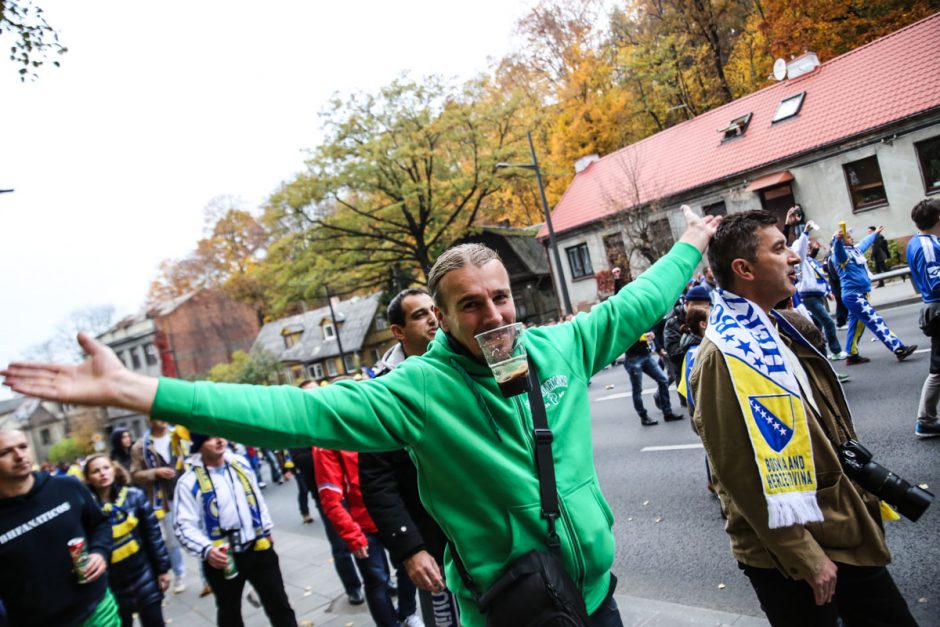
{"x":856,"y":285}
{"x":923,"y":257}
{"x":221,"y":517}
{"x":140,"y":565}
{"x":773,"y":418}
{"x":54,"y":545}
{"x":639,"y":359}
{"x":156,"y":466}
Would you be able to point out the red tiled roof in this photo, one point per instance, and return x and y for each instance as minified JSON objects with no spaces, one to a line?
{"x":885,"y":81}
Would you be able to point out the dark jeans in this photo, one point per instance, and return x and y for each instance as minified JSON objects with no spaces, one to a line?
{"x":635,"y":367}
{"x":816,"y":305}
{"x":149,"y":615}
{"x":607,"y":615}
{"x":865,"y":596}
{"x":303,"y":492}
{"x":374,"y":571}
{"x":273,"y":464}
{"x":342,"y":558}
{"x":263,"y":571}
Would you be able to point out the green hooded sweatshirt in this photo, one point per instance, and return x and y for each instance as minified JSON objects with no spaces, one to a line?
{"x":473,"y":449}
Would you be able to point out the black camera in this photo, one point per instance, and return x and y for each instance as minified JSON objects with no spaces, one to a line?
{"x":910,"y":500}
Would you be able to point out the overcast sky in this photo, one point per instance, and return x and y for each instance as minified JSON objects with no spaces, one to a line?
{"x":161,"y":106}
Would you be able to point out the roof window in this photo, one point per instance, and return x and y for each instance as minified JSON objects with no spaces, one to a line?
{"x":735,"y":128}
{"x":789,"y":107}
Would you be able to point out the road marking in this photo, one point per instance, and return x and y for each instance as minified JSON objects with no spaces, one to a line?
{"x":671,"y":447}
{"x":922,"y":350}
{"x":646,"y":392}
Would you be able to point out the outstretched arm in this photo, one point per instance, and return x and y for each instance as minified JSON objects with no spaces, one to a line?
{"x":99,"y":380}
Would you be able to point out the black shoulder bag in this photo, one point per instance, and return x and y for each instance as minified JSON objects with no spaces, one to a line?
{"x":535,"y":590}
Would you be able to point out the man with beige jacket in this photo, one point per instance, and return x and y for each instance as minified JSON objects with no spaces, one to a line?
{"x":154,"y":468}
{"x":772,"y":417}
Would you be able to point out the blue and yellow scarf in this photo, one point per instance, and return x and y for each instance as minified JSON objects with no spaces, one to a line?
{"x":768,"y":392}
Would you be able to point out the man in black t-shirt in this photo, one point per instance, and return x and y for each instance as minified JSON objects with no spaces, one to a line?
{"x":39,"y":515}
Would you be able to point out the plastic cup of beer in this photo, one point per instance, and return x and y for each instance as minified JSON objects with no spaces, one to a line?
{"x":506,"y":356}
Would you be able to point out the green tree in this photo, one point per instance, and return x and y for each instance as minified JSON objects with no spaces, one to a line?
{"x":401,"y":175}
{"x":34,"y":40}
{"x":257,"y":367}
{"x":67,"y":450}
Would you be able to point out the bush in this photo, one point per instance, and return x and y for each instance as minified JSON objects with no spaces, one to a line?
{"x":67,"y":450}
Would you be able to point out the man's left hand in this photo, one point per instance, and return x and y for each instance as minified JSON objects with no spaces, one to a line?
{"x":699,"y":230}
{"x":424,"y":572}
{"x":163,"y":580}
{"x":95,"y":568}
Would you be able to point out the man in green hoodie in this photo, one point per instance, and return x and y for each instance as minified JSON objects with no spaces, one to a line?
{"x":472,"y":447}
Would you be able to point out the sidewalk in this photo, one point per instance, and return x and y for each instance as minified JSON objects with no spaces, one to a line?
{"x":318,"y":598}
{"x":895,"y":293}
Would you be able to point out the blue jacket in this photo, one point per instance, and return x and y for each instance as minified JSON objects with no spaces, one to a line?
{"x":923,"y":257}
{"x":853,"y":267}
{"x":134,"y":578}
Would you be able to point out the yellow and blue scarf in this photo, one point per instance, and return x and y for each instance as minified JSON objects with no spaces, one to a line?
{"x":768,"y":392}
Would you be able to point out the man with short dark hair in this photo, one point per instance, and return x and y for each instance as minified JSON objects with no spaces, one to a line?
{"x":390,"y":480}
{"x":39,"y":516}
{"x":772,"y":418}
{"x":923,"y":257}
{"x":471,"y":444}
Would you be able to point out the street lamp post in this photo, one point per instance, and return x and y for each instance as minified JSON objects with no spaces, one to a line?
{"x":552,"y":243}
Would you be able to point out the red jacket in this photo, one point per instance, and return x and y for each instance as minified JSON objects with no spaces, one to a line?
{"x":337,"y":475}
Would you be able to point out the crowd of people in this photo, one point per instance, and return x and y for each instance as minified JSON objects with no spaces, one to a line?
{"x":462,"y":479}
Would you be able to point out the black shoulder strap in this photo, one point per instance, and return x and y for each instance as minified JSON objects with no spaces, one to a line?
{"x":544,"y":466}
{"x":544,"y":460}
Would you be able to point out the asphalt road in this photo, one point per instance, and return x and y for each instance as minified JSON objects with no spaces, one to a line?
{"x":671,"y":544}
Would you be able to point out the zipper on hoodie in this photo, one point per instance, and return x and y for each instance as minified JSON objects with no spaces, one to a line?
{"x":575,"y":545}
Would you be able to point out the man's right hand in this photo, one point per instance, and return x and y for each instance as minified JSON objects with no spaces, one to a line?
{"x":424,"y":572}
{"x":824,"y":582}
{"x":217,"y":557}
{"x":164,"y":473}
{"x":99,"y":380}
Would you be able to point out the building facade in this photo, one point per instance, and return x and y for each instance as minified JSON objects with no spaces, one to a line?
{"x":180,"y":338}
{"x":323,"y":345}
{"x":855,"y":139}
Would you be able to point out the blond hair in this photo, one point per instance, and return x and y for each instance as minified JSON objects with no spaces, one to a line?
{"x":455,"y":258}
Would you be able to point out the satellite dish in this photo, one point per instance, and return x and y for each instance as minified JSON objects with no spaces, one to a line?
{"x":780,"y":69}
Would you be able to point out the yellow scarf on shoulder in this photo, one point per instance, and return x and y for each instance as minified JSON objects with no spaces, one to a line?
{"x":768,"y":392}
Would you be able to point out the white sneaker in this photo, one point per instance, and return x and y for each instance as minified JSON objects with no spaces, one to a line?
{"x":413,"y":621}
{"x":838,"y":356}
{"x":179,"y":587}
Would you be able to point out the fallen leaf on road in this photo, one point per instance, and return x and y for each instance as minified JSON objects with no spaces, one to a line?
{"x":721,"y":586}
{"x":306,"y":623}
{"x":630,"y":518}
{"x":924,"y":486}
{"x":922,"y":600}
{"x":659,"y":519}
{"x":306,"y":588}
{"x":307,"y":593}
{"x":645,"y":503}
{"x":608,"y":387}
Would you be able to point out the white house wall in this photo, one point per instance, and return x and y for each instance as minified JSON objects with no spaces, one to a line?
{"x":819,"y":186}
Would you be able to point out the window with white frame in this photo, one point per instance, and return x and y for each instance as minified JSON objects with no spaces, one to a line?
{"x":328,"y":331}
{"x":579,"y":261}
{"x":789,"y":107}
{"x":331,"y":367}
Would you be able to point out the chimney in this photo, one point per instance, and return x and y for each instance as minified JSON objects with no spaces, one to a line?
{"x":801,"y":65}
{"x":582,"y":164}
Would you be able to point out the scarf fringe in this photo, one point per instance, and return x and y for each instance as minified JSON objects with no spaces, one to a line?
{"x":795,"y":508}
